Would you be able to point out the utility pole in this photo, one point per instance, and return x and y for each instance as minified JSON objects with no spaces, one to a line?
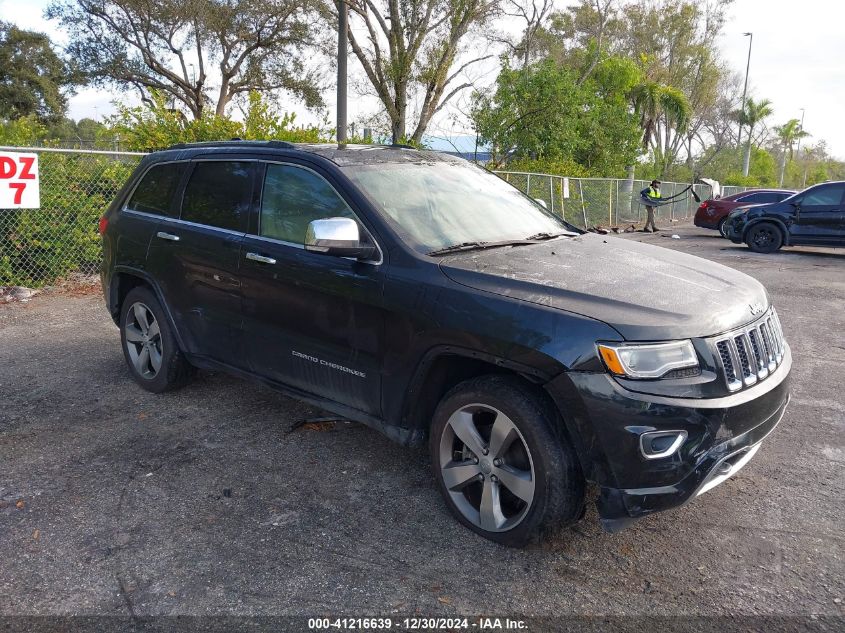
{"x":800,"y":129}
{"x":745,"y":89}
{"x":342,"y":25}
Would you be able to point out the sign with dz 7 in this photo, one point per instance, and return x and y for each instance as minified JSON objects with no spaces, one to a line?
{"x":19,"y":186}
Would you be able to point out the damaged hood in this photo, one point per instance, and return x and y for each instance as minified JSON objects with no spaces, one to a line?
{"x":645,"y":292}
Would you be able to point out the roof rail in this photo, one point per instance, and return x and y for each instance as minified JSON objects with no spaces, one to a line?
{"x":236,"y":143}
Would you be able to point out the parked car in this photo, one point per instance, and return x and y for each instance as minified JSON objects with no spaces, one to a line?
{"x":711,"y":214}
{"x":813,"y":217}
{"x":427,"y":298}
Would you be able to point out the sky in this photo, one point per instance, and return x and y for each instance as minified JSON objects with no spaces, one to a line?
{"x":796,"y":62}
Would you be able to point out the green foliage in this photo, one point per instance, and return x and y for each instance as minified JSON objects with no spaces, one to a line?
{"x":41,"y":245}
{"x":154,"y":127}
{"x":542,"y":113}
{"x":22,"y":132}
{"x":34,"y":80}
{"x":557,"y":167}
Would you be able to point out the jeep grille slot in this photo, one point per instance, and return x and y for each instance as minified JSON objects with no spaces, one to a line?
{"x":751,"y":353}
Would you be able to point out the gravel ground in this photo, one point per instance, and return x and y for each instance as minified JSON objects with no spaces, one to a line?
{"x":114,"y":501}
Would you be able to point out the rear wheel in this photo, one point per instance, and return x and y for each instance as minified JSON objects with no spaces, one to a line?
{"x":502,"y":466}
{"x":764,"y":238}
{"x":150,"y":349}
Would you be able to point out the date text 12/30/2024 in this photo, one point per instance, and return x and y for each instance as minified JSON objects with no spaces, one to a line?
{"x":417,"y":624}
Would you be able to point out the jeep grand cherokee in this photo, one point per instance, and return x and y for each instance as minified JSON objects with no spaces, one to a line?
{"x":427,"y":298}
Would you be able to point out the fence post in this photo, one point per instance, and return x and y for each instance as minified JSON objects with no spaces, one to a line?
{"x":617,"y":202}
{"x":528,"y":186}
{"x":562,"y":203}
{"x":583,"y":208}
{"x":552,"y":193}
{"x":609,"y":206}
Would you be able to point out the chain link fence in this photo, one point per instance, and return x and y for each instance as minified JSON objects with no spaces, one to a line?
{"x":40,"y":246}
{"x":606,"y":202}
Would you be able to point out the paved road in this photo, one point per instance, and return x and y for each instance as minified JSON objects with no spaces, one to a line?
{"x":116,"y":501}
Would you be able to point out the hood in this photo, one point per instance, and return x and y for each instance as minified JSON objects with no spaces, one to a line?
{"x":645,"y":292}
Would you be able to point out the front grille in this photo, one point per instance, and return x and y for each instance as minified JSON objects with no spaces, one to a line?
{"x":751,"y":353}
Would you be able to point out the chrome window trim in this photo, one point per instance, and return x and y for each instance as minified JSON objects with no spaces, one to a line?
{"x":184,"y":222}
{"x":375,"y":262}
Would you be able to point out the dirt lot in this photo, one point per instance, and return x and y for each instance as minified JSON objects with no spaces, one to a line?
{"x":116,"y":501}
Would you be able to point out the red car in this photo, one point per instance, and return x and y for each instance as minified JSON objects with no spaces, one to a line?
{"x":711,"y":214}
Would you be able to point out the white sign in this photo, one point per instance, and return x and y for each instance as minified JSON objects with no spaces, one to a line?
{"x":19,"y":183}
{"x":566,"y":188}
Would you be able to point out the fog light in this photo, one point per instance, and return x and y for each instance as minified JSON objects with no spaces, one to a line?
{"x":657,"y":444}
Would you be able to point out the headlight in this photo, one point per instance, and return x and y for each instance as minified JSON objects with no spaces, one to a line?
{"x":648,"y":360}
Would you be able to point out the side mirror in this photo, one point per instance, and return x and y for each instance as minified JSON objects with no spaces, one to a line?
{"x":340,"y":237}
{"x":541,"y":202}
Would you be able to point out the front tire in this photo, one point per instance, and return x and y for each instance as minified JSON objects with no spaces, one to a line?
{"x":149,"y":346}
{"x":723,"y":228}
{"x":764,"y":238}
{"x":502,"y":463}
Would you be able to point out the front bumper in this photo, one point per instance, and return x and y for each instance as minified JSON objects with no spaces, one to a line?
{"x":607,"y":421}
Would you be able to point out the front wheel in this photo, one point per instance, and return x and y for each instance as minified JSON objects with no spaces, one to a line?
{"x":501,"y":463}
{"x":764,"y":238}
{"x":723,"y":229}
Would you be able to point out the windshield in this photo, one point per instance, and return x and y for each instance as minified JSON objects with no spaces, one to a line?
{"x":438,"y":205}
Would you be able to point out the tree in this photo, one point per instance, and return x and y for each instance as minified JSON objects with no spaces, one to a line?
{"x":753,"y":113}
{"x":542,"y":113}
{"x":788,"y":134}
{"x":533,"y":13}
{"x":181,"y":49}
{"x":409,"y":45}
{"x":34,"y":80}
{"x":655,"y":102}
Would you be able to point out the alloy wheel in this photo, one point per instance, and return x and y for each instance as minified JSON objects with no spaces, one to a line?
{"x":487,"y":468}
{"x":143,"y":340}
{"x":763,"y":237}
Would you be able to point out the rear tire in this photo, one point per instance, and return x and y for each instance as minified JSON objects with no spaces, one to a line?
{"x":502,"y":463}
{"x":764,"y":238}
{"x":149,"y":346}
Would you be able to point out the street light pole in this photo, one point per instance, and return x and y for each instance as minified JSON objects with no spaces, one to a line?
{"x":745,"y":89}
{"x":342,"y":24}
{"x":800,"y":129}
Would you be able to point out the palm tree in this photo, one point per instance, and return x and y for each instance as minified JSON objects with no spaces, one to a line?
{"x":753,"y":113}
{"x":653,"y":100}
{"x":788,"y":134}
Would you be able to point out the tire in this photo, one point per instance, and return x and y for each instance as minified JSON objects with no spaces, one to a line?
{"x":721,"y":227}
{"x":764,"y":237}
{"x":531,"y":484}
{"x":149,"y":347}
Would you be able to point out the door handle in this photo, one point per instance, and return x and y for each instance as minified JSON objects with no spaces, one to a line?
{"x":260,"y":258}
{"x":167,"y":236}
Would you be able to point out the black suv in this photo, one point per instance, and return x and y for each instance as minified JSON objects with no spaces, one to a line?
{"x":427,"y":298}
{"x":813,"y":217}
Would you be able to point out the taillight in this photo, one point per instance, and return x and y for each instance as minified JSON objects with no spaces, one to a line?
{"x":103,"y":225}
{"x":702,"y":206}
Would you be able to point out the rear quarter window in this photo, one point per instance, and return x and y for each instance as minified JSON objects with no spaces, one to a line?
{"x":154,"y":194}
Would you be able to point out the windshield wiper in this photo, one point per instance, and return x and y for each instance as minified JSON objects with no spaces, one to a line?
{"x":471,"y":246}
{"x":547,"y":236}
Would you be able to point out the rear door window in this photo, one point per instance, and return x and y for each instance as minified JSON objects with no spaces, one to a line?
{"x":154,"y":194}
{"x":218,"y":194}
{"x":292,"y":198}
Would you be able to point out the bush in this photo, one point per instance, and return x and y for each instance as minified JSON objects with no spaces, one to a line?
{"x":38,"y":246}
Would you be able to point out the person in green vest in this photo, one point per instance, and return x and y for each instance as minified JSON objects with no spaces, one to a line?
{"x":652,"y":192}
